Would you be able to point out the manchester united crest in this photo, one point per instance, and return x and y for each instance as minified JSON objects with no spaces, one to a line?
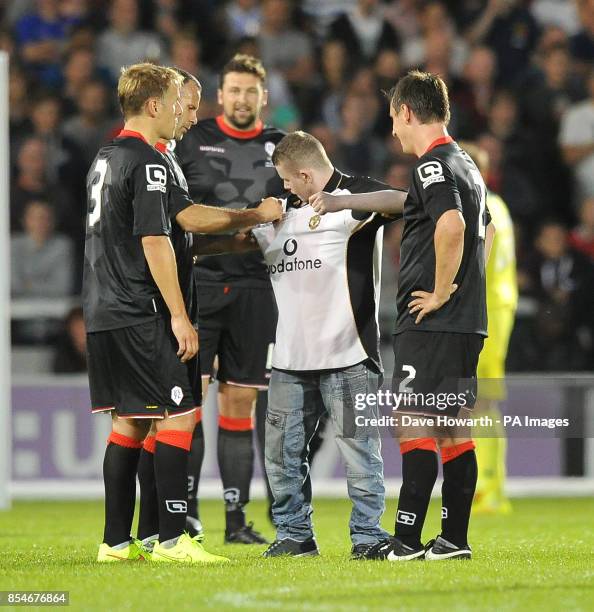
{"x":314,"y":222}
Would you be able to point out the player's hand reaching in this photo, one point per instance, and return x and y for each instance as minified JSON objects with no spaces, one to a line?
{"x":270,"y":209}
{"x":426,"y":303}
{"x":186,"y":336}
{"x":323,"y":202}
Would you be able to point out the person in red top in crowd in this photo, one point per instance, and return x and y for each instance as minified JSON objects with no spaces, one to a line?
{"x":581,"y":237}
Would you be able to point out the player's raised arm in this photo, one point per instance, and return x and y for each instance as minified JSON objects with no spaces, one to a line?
{"x":387,"y":202}
{"x":202,"y":219}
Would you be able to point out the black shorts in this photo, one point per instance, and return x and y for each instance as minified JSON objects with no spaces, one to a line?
{"x":136,"y":372}
{"x":435,"y":372}
{"x":238,"y":325}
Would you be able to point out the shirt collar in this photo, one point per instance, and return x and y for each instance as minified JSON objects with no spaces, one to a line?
{"x":439,"y":141}
{"x":243,"y":135}
{"x":131,"y":134}
{"x":333,"y":181}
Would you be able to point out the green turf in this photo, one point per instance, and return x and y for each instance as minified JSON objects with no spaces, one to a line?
{"x":538,"y":558}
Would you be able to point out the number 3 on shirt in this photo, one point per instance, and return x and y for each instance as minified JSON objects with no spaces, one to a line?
{"x":480,"y":185}
{"x":95,"y":212}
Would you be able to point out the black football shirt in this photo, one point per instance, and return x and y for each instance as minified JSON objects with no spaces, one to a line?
{"x":444,"y":178}
{"x":234,"y":169}
{"x":128,"y":194}
{"x":181,"y":240}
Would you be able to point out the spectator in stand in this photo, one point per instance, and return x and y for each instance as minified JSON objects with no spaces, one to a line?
{"x":243,"y":18}
{"x":41,"y":260}
{"x":41,"y":37}
{"x":582,"y":43}
{"x":404,"y":17}
{"x":361,"y":152}
{"x":333,"y":67}
{"x":89,"y":129}
{"x":474,"y":94}
{"x":186,"y":54}
{"x":398,"y":175}
{"x":560,"y":14}
{"x":438,"y":30}
{"x":506,"y":175}
{"x":542,"y":104}
{"x":18,"y":107}
{"x":581,"y":238}
{"x":577,"y":142}
{"x":70,"y":356}
{"x":363,"y":84}
{"x":551,"y":36}
{"x":364,"y":31}
{"x":509,"y":28}
{"x":562,"y":281}
{"x":30,"y":182}
{"x":387,"y":69}
{"x":122,"y":43}
{"x":64,"y":163}
{"x":166,"y":21}
{"x":287,"y":50}
{"x":79,"y":69}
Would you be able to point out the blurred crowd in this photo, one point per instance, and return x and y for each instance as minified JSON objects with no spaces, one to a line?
{"x":521,"y":80}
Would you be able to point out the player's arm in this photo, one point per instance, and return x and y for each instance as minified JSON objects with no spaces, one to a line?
{"x":152,"y":226}
{"x":386,"y":202}
{"x":221,"y":245}
{"x":201,"y":219}
{"x":160,"y":258}
{"x":448,"y":241}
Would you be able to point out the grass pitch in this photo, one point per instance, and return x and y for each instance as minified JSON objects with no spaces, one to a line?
{"x":538,"y":558}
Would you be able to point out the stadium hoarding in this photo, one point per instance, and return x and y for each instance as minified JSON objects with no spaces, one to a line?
{"x":57,"y":440}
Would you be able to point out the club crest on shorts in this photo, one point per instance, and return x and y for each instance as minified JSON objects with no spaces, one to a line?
{"x":314,"y":222}
{"x":231,"y":495}
{"x":176,"y":506}
{"x":177,"y":395}
{"x":406,"y":518}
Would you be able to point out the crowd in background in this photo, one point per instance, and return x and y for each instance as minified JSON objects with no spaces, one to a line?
{"x":521,"y":81}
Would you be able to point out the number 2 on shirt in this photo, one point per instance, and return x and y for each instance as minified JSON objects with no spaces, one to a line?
{"x":480,"y":185}
{"x":95,"y":212}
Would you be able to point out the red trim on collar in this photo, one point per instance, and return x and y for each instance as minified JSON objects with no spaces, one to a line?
{"x":161,"y":147}
{"x":440,"y":141}
{"x":227,"y":129}
{"x":131,"y":134}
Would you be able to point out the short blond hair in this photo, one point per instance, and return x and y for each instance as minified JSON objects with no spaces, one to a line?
{"x":301,"y":149}
{"x":140,"y":82}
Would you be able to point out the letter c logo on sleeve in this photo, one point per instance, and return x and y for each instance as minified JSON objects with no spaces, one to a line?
{"x":430,"y":172}
{"x":156,"y":177}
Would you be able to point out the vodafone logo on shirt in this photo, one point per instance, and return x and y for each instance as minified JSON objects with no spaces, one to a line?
{"x":295,"y":264}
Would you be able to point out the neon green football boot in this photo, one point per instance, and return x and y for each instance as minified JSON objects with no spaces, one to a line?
{"x":186,"y":550}
{"x":132,"y":552}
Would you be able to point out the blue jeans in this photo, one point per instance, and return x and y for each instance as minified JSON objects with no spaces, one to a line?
{"x":295,"y":403}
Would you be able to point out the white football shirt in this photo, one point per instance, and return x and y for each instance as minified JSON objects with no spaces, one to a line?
{"x":325,"y":272}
